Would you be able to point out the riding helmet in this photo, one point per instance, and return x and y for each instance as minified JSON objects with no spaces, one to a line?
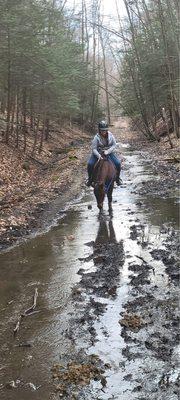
{"x":103,"y":126}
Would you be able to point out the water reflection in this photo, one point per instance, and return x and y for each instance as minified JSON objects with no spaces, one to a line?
{"x":106,"y":232}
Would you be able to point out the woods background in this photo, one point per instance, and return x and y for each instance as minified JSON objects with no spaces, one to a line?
{"x":71,"y":65}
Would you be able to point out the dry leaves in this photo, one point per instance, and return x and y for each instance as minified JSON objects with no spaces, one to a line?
{"x":76,"y":374}
{"x":131,"y":321}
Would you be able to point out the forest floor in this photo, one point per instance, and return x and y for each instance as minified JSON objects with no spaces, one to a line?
{"x":33,"y":189}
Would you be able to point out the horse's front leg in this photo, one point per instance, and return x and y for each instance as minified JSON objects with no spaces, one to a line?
{"x":99,"y":194}
{"x":109,"y":196}
{"x":100,"y":202}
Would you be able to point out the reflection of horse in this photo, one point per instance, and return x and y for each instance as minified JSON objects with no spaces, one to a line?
{"x":103,"y":177}
{"x":106,"y":233}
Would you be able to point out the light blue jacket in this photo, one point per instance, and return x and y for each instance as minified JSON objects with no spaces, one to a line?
{"x":99,"y":143}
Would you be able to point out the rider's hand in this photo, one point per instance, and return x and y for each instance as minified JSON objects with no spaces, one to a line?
{"x":106,"y":152}
{"x":100,"y":157}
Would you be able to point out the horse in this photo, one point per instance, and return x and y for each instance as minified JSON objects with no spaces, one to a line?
{"x":104,"y":176}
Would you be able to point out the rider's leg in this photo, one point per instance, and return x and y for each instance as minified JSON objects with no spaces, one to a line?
{"x":117,"y":164}
{"x":90,"y":167}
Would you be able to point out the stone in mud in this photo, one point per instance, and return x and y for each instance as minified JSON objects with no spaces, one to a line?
{"x":70,"y":237}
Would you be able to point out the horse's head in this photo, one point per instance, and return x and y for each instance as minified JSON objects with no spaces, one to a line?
{"x":104,"y":174}
{"x":99,"y":192}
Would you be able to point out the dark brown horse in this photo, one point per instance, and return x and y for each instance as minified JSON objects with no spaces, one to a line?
{"x":103,"y":177}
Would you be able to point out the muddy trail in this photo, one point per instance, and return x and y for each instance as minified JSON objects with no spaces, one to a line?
{"x":105,"y":325}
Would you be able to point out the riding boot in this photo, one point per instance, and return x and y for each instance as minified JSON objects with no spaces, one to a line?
{"x":89,"y":181}
{"x":90,"y":176}
{"x":118,"y":179}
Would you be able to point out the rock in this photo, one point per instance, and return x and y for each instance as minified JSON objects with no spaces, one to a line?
{"x":70,"y":237}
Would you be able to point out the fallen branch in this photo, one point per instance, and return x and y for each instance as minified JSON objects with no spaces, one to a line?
{"x":27,"y":312}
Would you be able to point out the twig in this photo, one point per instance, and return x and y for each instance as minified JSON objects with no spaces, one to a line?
{"x":16,"y":329}
{"x":141,"y":258}
{"x":27,"y":312}
{"x":31,"y":313}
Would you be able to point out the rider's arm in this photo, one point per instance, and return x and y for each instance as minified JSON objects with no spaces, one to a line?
{"x":94,"y":147}
{"x":113,"y":146}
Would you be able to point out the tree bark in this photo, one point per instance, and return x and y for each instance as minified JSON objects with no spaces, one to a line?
{"x":8,"y":87}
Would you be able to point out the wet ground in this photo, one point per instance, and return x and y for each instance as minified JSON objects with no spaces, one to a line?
{"x":107,"y":300}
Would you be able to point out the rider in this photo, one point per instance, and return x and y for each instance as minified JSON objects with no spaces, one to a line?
{"x":103,"y":142}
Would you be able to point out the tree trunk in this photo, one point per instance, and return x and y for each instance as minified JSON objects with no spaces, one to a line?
{"x":17,"y":118}
{"x":47,"y":129}
{"x":8,"y":87}
{"x":42,"y":136}
{"x":12,"y":118}
{"x":24,"y":119}
{"x":105,"y":79}
{"x":168,"y":64}
{"x":36,"y":129}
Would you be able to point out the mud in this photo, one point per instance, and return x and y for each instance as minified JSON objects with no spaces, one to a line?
{"x":149,"y":320}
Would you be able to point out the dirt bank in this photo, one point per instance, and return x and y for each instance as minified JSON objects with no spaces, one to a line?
{"x":33,"y":190}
